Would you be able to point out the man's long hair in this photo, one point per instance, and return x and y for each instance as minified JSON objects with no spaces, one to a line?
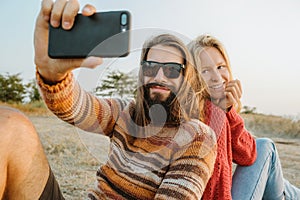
{"x":185,"y":104}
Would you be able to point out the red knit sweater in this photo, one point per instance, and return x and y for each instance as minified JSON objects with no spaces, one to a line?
{"x":235,"y":144}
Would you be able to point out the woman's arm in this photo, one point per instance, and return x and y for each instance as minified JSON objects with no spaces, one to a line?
{"x":243,"y":143}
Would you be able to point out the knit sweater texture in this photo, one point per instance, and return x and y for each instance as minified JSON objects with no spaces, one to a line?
{"x":235,"y":144}
{"x":167,"y":163}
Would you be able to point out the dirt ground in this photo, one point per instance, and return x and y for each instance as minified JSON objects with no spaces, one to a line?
{"x":74,"y":155}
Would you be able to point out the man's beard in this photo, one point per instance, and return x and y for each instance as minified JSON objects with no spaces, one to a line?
{"x":160,"y":112}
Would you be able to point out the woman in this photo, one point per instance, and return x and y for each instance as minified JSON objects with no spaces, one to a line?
{"x":262,"y":178}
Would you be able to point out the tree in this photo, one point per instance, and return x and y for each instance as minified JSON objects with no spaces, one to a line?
{"x":12,"y":89}
{"x":32,"y":91}
{"x":248,"y":110}
{"x":118,"y":84}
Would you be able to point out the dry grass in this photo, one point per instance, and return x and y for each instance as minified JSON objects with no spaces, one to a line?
{"x":73,"y":164}
{"x":260,"y":124}
{"x":37,"y":108}
{"x":74,"y":155}
{"x":269,"y":125}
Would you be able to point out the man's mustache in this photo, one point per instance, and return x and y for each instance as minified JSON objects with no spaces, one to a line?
{"x":149,"y":85}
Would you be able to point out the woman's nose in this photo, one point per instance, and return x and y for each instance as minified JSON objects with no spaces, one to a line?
{"x":216,"y":76}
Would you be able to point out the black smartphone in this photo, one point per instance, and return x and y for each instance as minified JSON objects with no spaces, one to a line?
{"x":104,"y":34}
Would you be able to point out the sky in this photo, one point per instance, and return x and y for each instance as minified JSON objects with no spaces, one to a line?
{"x":262,"y":39}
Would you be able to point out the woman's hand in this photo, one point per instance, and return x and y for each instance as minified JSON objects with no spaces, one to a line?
{"x":60,"y":12}
{"x":233,"y":92}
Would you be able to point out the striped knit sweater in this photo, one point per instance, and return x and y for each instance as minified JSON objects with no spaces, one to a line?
{"x":170,"y":163}
{"x":235,"y":144}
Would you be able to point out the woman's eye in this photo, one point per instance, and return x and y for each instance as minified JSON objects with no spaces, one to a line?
{"x":221,"y":67}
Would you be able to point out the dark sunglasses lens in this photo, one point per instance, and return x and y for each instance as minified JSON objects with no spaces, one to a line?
{"x":172,"y":70}
{"x":150,"y":69}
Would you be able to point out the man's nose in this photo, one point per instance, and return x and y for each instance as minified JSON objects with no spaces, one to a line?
{"x":160,"y":75}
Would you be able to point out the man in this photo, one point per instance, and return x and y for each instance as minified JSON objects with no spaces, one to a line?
{"x":157,"y":151}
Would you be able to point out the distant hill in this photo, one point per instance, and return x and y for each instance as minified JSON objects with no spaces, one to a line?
{"x":270,"y":125}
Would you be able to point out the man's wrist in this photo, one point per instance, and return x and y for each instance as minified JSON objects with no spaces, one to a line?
{"x":50,"y":81}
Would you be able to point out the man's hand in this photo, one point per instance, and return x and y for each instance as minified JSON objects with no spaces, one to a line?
{"x":60,"y":12}
{"x":233,"y":92}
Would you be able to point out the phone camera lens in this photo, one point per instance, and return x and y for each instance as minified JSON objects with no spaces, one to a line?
{"x":123,"y":19}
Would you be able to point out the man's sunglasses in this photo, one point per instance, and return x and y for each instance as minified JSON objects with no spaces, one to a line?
{"x":170,"y":69}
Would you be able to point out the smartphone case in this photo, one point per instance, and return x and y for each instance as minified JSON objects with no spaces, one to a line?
{"x":105,"y":34}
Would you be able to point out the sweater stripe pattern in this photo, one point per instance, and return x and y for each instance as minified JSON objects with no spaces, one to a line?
{"x":143,"y":162}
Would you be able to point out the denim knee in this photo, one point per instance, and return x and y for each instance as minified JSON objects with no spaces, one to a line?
{"x":266,"y":147}
{"x":265,"y":144}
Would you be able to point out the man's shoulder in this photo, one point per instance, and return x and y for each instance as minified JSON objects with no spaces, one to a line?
{"x":199,"y":128}
{"x":195,"y":132}
{"x":196,"y":123}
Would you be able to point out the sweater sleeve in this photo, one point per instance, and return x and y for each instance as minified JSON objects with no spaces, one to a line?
{"x":191,"y":168}
{"x":68,"y":101}
{"x":243,"y":143}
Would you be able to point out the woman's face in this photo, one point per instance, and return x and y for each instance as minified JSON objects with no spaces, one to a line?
{"x":214,"y":71}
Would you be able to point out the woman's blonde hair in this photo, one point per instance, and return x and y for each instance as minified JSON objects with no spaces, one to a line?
{"x":206,"y":40}
{"x":186,"y":105}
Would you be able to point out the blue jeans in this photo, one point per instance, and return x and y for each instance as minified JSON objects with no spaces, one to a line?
{"x":263,"y":179}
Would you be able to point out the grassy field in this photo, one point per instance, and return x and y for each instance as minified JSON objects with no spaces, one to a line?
{"x":74,"y":155}
{"x":270,"y":125}
{"x":35,"y":108}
